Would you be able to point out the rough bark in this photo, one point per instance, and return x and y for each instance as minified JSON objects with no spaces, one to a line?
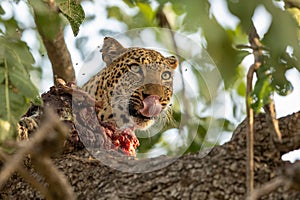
{"x":218,"y":175}
{"x":60,"y":57}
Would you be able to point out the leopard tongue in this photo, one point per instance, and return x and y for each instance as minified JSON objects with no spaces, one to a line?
{"x":152,"y":107}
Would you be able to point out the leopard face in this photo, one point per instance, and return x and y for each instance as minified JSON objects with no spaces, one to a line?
{"x":135,"y":87}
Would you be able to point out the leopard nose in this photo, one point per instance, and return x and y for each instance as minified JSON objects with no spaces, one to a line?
{"x":153,"y":89}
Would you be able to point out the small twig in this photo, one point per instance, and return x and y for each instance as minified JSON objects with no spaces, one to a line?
{"x":40,"y":148}
{"x":59,"y":188}
{"x":13,"y":164}
{"x":250,"y":135}
{"x":272,"y":121}
{"x":269,"y":109}
{"x":257,"y":52}
{"x":243,"y":46}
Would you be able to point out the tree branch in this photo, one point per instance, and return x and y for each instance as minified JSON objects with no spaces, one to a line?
{"x":60,"y":57}
{"x":271,"y":115}
{"x":218,"y":175}
{"x":290,"y":131}
{"x":269,"y":108}
{"x":56,"y":49}
{"x":257,"y":52}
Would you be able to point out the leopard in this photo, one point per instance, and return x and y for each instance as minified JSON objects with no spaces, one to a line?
{"x":135,"y":87}
{"x":131,"y":93}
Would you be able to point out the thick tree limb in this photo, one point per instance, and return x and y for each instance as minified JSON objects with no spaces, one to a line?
{"x":221,"y":174}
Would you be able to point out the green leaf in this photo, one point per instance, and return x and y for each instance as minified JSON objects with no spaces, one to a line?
{"x":146,"y":9}
{"x":11,"y":28}
{"x":279,"y":81}
{"x":197,"y":14}
{"x":241,"y":89}
{"x":18,"y":76}
{"x":2,"y":12}
{"x":284,"y":87}
{"x":115,"y":12}
{"x":290,"y":61}
{"x":12,"y":105}
{"x":244,"y":10}
{"x":2,"y":75}
{"x":219,"y":47}
{"x":73,"y":12}
{"x":261,"y":93}
{"x":13,"y":60}
{"x":278,"y":40}
{"x":178,"y":8}
{"x":16,"y":88}
{"x":130,"y":3}
{"x":240,"y":55}
{"x":21,"y":49}
{"x":278,"y":68}
{"x":25,"y":87}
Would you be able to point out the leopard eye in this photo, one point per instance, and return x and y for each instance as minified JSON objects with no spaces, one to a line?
{"x":135,"y":68}
{"x":166,"y":75}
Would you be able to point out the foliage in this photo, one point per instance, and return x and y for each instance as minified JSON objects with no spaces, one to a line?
{"x":48,"y":21}
{"x":73,"y":12}
{"x":16,"y":88}
{"x":271,"y":76}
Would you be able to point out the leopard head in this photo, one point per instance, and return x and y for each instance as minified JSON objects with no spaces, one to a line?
{"x":135,"y":87}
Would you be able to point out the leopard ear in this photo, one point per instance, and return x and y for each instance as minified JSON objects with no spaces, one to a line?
{"x":111,"y":49}
{"x":173,"y":62}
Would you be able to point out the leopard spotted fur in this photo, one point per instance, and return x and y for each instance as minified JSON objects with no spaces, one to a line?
{"x":134,"y":87}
